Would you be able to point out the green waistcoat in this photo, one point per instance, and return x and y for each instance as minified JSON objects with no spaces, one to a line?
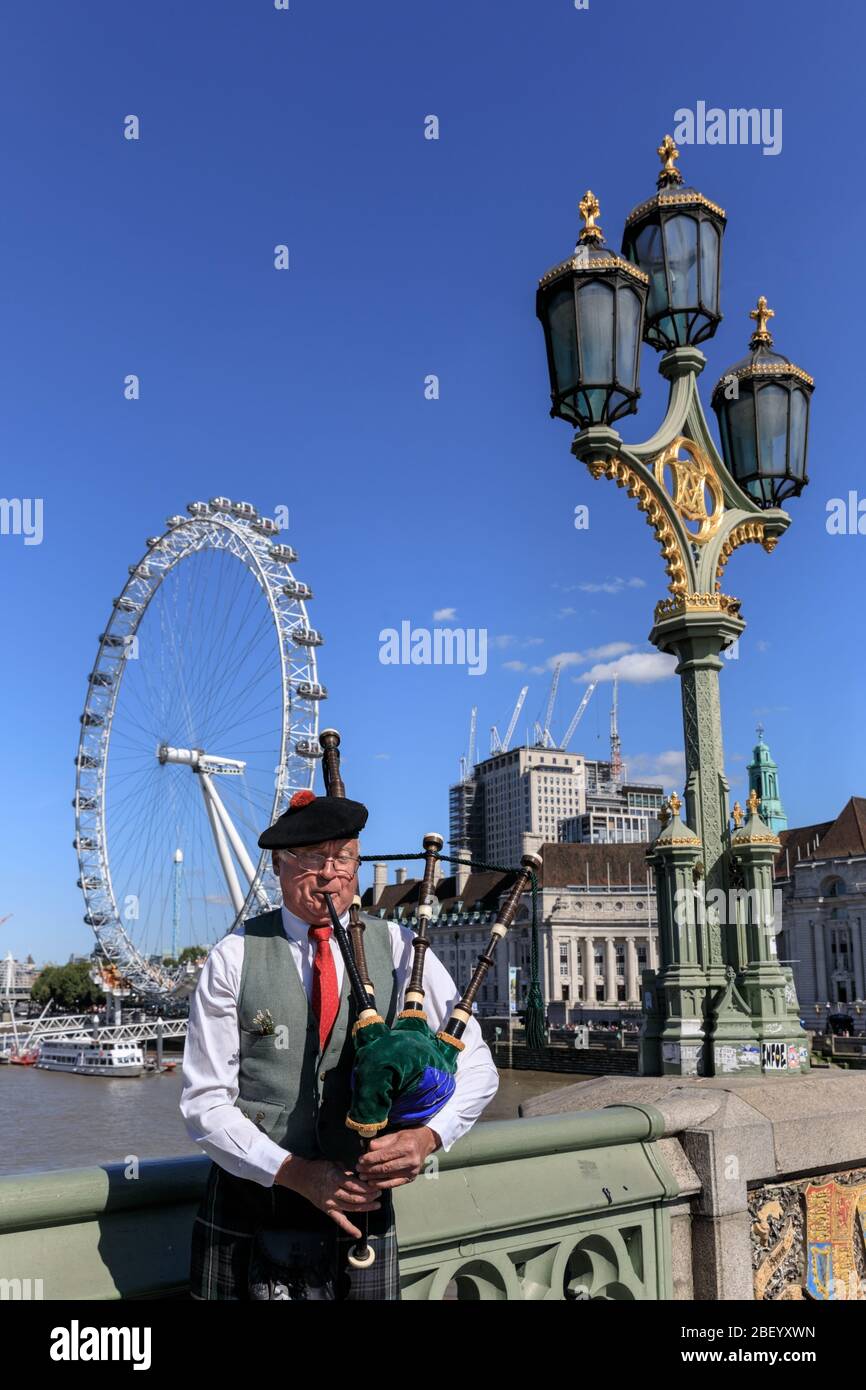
{"x":298,"y":1096}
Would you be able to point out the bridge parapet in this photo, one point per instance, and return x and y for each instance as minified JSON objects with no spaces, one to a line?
{"x":557,"y":1208}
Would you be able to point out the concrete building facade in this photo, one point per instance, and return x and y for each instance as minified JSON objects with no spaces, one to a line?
{"x":515,"y":802}
{"x":597,"y":931}
{"x":821,"y":877}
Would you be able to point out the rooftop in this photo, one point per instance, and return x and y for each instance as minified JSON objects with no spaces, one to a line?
{"x":842,"y":838}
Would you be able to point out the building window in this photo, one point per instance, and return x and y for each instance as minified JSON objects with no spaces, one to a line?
{"x":599,"y":994}
{"x":620,"y":993}
{"x":565,"y":993}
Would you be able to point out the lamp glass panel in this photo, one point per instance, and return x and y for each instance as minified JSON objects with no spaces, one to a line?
{"x":772,"y":407}
{"x":709,"y":267}
{"x":595,"y":402}
{"x":648,"y":253}
{"x":741,"y":432}
{"x":799,"y":417}
{"x":627,"y":320}
{"x":563,"y":338}
{"x":681,"y":242}
{"x":595,"y":308}
{"x":724,"y":434}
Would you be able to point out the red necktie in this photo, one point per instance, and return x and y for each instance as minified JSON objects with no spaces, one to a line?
{"x":326,"y":995}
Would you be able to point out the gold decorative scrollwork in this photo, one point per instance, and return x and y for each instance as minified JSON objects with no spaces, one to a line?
{"x":741,"y":535}
{"x":625,"y":476}
{"x":697,"y":603}
{"x":693,"y":476}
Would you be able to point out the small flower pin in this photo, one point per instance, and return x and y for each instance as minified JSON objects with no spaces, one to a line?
{"x":263,"y":1021}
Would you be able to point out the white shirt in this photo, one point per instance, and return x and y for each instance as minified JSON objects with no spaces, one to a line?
{"x":211,"y":1056}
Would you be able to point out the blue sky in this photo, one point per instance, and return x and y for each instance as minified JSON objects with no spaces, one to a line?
{"x":305,"y":388}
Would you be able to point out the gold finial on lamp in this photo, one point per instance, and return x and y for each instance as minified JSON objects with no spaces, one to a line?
{"x":589,"y":209}
{"x":761,"y":313}
{"x":737,"y":815}
{"x":753,"y":801}
{"x":668,"y":153}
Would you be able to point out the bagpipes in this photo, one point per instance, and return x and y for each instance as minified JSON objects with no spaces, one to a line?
{"x":405,"y":1074}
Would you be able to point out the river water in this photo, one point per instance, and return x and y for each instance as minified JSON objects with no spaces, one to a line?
{"x":51,"y":1120}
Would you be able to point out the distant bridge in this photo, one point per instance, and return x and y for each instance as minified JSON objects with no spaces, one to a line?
{"x":79,"y":1028}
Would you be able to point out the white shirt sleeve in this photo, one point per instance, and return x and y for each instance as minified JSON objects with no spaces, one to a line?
{"x":477,"y":1078}
{"x":210,"y":1073}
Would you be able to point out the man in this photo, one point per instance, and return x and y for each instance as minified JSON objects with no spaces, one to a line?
{"x":267,"y":1082}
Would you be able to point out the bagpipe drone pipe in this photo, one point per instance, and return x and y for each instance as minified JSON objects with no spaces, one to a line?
{"x":405,"y":1074}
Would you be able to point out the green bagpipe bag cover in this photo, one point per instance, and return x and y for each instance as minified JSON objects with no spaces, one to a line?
{"x":402,"y":1075}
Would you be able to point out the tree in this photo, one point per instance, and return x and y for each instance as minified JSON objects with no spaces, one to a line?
{"x":69,"y":987}
{"x":192,"y":953}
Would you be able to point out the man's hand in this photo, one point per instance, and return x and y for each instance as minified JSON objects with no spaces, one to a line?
{"x":395,"y":1159}
{"x":330,"y":1188}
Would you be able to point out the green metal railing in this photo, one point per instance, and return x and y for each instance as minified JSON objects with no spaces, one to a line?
{"x":558,"y":1207}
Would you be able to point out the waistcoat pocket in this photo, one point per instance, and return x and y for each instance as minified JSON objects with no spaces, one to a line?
{"x":269,"y":1116}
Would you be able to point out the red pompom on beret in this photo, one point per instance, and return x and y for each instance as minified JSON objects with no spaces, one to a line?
{"x":302,"y":798}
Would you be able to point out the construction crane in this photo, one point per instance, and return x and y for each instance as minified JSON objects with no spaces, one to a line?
{"x":467,"y":762}
{"x":569,"y":733}
{"x":500,"y":745}
{"x":616,"y":768}
{"x":546,"y":736}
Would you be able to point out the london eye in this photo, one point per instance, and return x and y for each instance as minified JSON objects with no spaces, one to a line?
{"x":200,"y":722}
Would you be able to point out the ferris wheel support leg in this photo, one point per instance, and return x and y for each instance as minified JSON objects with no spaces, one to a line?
{"x":222,"y":847}
{"x":234,"y":838}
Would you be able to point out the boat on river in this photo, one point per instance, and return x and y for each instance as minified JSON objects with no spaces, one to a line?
{"x":92,"y":1058}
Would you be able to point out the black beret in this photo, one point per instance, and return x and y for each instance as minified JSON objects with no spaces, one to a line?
{"x":310,"y":820}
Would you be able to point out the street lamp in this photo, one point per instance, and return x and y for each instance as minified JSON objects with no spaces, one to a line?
{"x":762,"y":404}
{"x":720,"y":999}
{"x":591,"y":307}
{"x":676,"y":239}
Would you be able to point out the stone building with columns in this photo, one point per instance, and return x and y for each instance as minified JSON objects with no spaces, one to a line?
{"x":821,"y":875}
{"x":597,"y":930}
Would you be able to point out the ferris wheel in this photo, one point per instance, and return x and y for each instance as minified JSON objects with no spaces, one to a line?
{"x":200,"y":723}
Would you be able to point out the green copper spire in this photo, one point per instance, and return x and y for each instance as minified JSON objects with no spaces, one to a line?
{"x":764,"y":779}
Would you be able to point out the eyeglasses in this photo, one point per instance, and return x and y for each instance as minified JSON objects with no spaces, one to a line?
{"x":345,"y":864}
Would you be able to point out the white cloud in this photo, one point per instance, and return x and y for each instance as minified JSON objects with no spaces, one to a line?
{"x":608,"y":650}
{"x":504,"y":639}
{"x":612,"y":586}
{"x":591,"y":654}
{"x":514,"y":665}
{"x":566,"y":612}
{"x":637,"y":668}
{"x":762,"y":646}
{"x":444,"y":614}
{"x":668,"y":768}
{"x":382,"y":755}
{"x":565,"y":659}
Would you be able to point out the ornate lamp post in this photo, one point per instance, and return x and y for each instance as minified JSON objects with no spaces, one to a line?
{"x":719,"y":1001}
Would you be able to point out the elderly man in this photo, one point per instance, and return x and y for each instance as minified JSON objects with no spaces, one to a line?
{"x":267,"y":1082}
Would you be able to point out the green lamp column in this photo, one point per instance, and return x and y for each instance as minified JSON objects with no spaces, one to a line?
{"x":764,"y":983}
{"x":673,"y":1042}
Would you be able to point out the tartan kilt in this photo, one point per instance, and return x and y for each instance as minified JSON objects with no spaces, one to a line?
{"x":233,"y":1209}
